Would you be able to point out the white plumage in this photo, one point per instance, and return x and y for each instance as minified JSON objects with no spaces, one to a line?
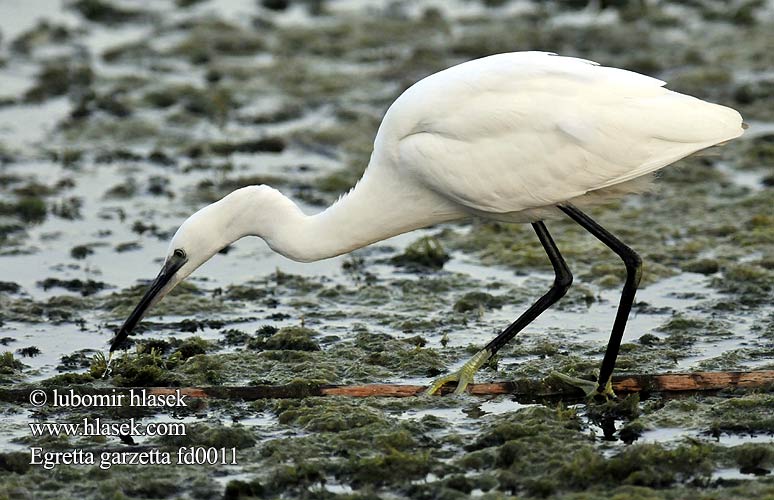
{"x":509,"y":137}
{"x":514,"y":132}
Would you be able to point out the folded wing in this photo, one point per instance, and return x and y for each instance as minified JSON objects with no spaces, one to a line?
{"x":518,"y":131}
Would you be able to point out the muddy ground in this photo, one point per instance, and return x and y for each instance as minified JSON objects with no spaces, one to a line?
{"x":119,"y":119}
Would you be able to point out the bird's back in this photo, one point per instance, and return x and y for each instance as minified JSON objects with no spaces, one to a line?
{"x":516,"y":132}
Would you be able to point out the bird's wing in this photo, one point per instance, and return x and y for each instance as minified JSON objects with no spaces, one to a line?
{"x":526,"y":130}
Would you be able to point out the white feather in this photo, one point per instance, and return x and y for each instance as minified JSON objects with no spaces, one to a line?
{"x":521,"y":131}
{"x":508,"y":137}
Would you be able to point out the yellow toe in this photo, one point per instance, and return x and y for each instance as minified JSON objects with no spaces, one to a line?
{"x":463,"y":376}
{"x":591,"y":388}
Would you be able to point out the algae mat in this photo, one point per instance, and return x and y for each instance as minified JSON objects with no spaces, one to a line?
{"x":118,"y":119}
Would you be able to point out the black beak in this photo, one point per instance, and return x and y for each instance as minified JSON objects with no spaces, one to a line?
{"x":171,"y":266}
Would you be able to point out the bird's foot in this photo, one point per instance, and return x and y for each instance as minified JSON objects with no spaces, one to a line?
{"x":463,"y":376}
{"x":593,"y":390}
{"x":108,"y":368}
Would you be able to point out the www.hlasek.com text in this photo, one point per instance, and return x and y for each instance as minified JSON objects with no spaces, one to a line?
{"x":99,"y":427}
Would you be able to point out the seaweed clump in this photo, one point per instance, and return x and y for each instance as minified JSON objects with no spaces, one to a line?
{"x":101,"y":11}
{"x":29,"y":209}
{"x":85,"y":288}
{"x":425,"y":254}
{"x":59,"y":78}
{"x":474,"y":301}
{"x":294,"y":338}
{"x":145,"y":369}
{"x":9,"y":367}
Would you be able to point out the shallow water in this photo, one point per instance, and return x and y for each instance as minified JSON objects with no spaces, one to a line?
{"x":117,"y":156}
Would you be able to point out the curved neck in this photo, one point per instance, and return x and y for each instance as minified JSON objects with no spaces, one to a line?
{"x":377,"y":208}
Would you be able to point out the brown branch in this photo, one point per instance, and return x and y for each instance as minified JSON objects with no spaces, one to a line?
{"x":696,"y":381}
{"x":524,"y":388}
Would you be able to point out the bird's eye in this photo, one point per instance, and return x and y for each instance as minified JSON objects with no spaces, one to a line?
{"x":179,"y":253}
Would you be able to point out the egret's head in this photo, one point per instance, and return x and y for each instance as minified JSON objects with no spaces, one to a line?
{"x":252,"y":210}
{"x":200,"y":237}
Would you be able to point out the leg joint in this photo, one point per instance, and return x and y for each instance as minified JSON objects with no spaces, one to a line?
{"x":633,"y":264}
{"x":562,"y":282}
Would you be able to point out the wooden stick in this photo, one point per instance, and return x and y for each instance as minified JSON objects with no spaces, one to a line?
{"x":696,"y":381}
{"x":524,"y":388}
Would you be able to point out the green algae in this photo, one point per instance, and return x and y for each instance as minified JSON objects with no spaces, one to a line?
{"x":571,"y":462}
{"x":712,"y":415}
{"x":650,"y":465}
{"x":104,"y":12}
{"x":58,"y":78}
{"x":57,"y":309}
{"x":212,"y":103}
{"x":208,"y":191}
{"x":474,"y":301}
{"x":149,"y":369}
{"x":69,"y":379}
{"x":392,"y":449}
{"x":14,"y":462}
{"x":185,"y":299}
{"x":28,"y":209}
{"x":319,"y":415}
{"x":85,"y":288}
{"x":749,"y":283}
{"x":81,"y":251}
{"x":755,"y":458}
{"x":261,"y":145}
{"x":130,"y":130}
{"x":682,"y":331}
{"x":757,"y":153}
{"x":210,"y":38}
{"x":749,"y":414}
{"x":425,"y":253}
{"x":9,"y":367}
{"x":42,"y":34}
{"x":290,"y":338}
{"x":700,"y":221}
{"x":391,"y":468}
{"x":9,"y":287}
{"x":294,"y":356}
{"x":701,"y":266}
{"x":67,"y":208}
{"x":218,"y":436}
{"x":192,"y":346}
{"x":242,"y":489}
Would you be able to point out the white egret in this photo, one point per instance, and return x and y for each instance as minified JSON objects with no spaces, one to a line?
{"x":518,"y":137}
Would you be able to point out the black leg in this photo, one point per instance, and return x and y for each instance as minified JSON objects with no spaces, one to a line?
{"x":562,"y":282}
{"x":633,"y":264}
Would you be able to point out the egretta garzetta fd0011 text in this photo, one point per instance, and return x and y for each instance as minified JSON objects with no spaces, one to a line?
{"x":519,"y":137}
